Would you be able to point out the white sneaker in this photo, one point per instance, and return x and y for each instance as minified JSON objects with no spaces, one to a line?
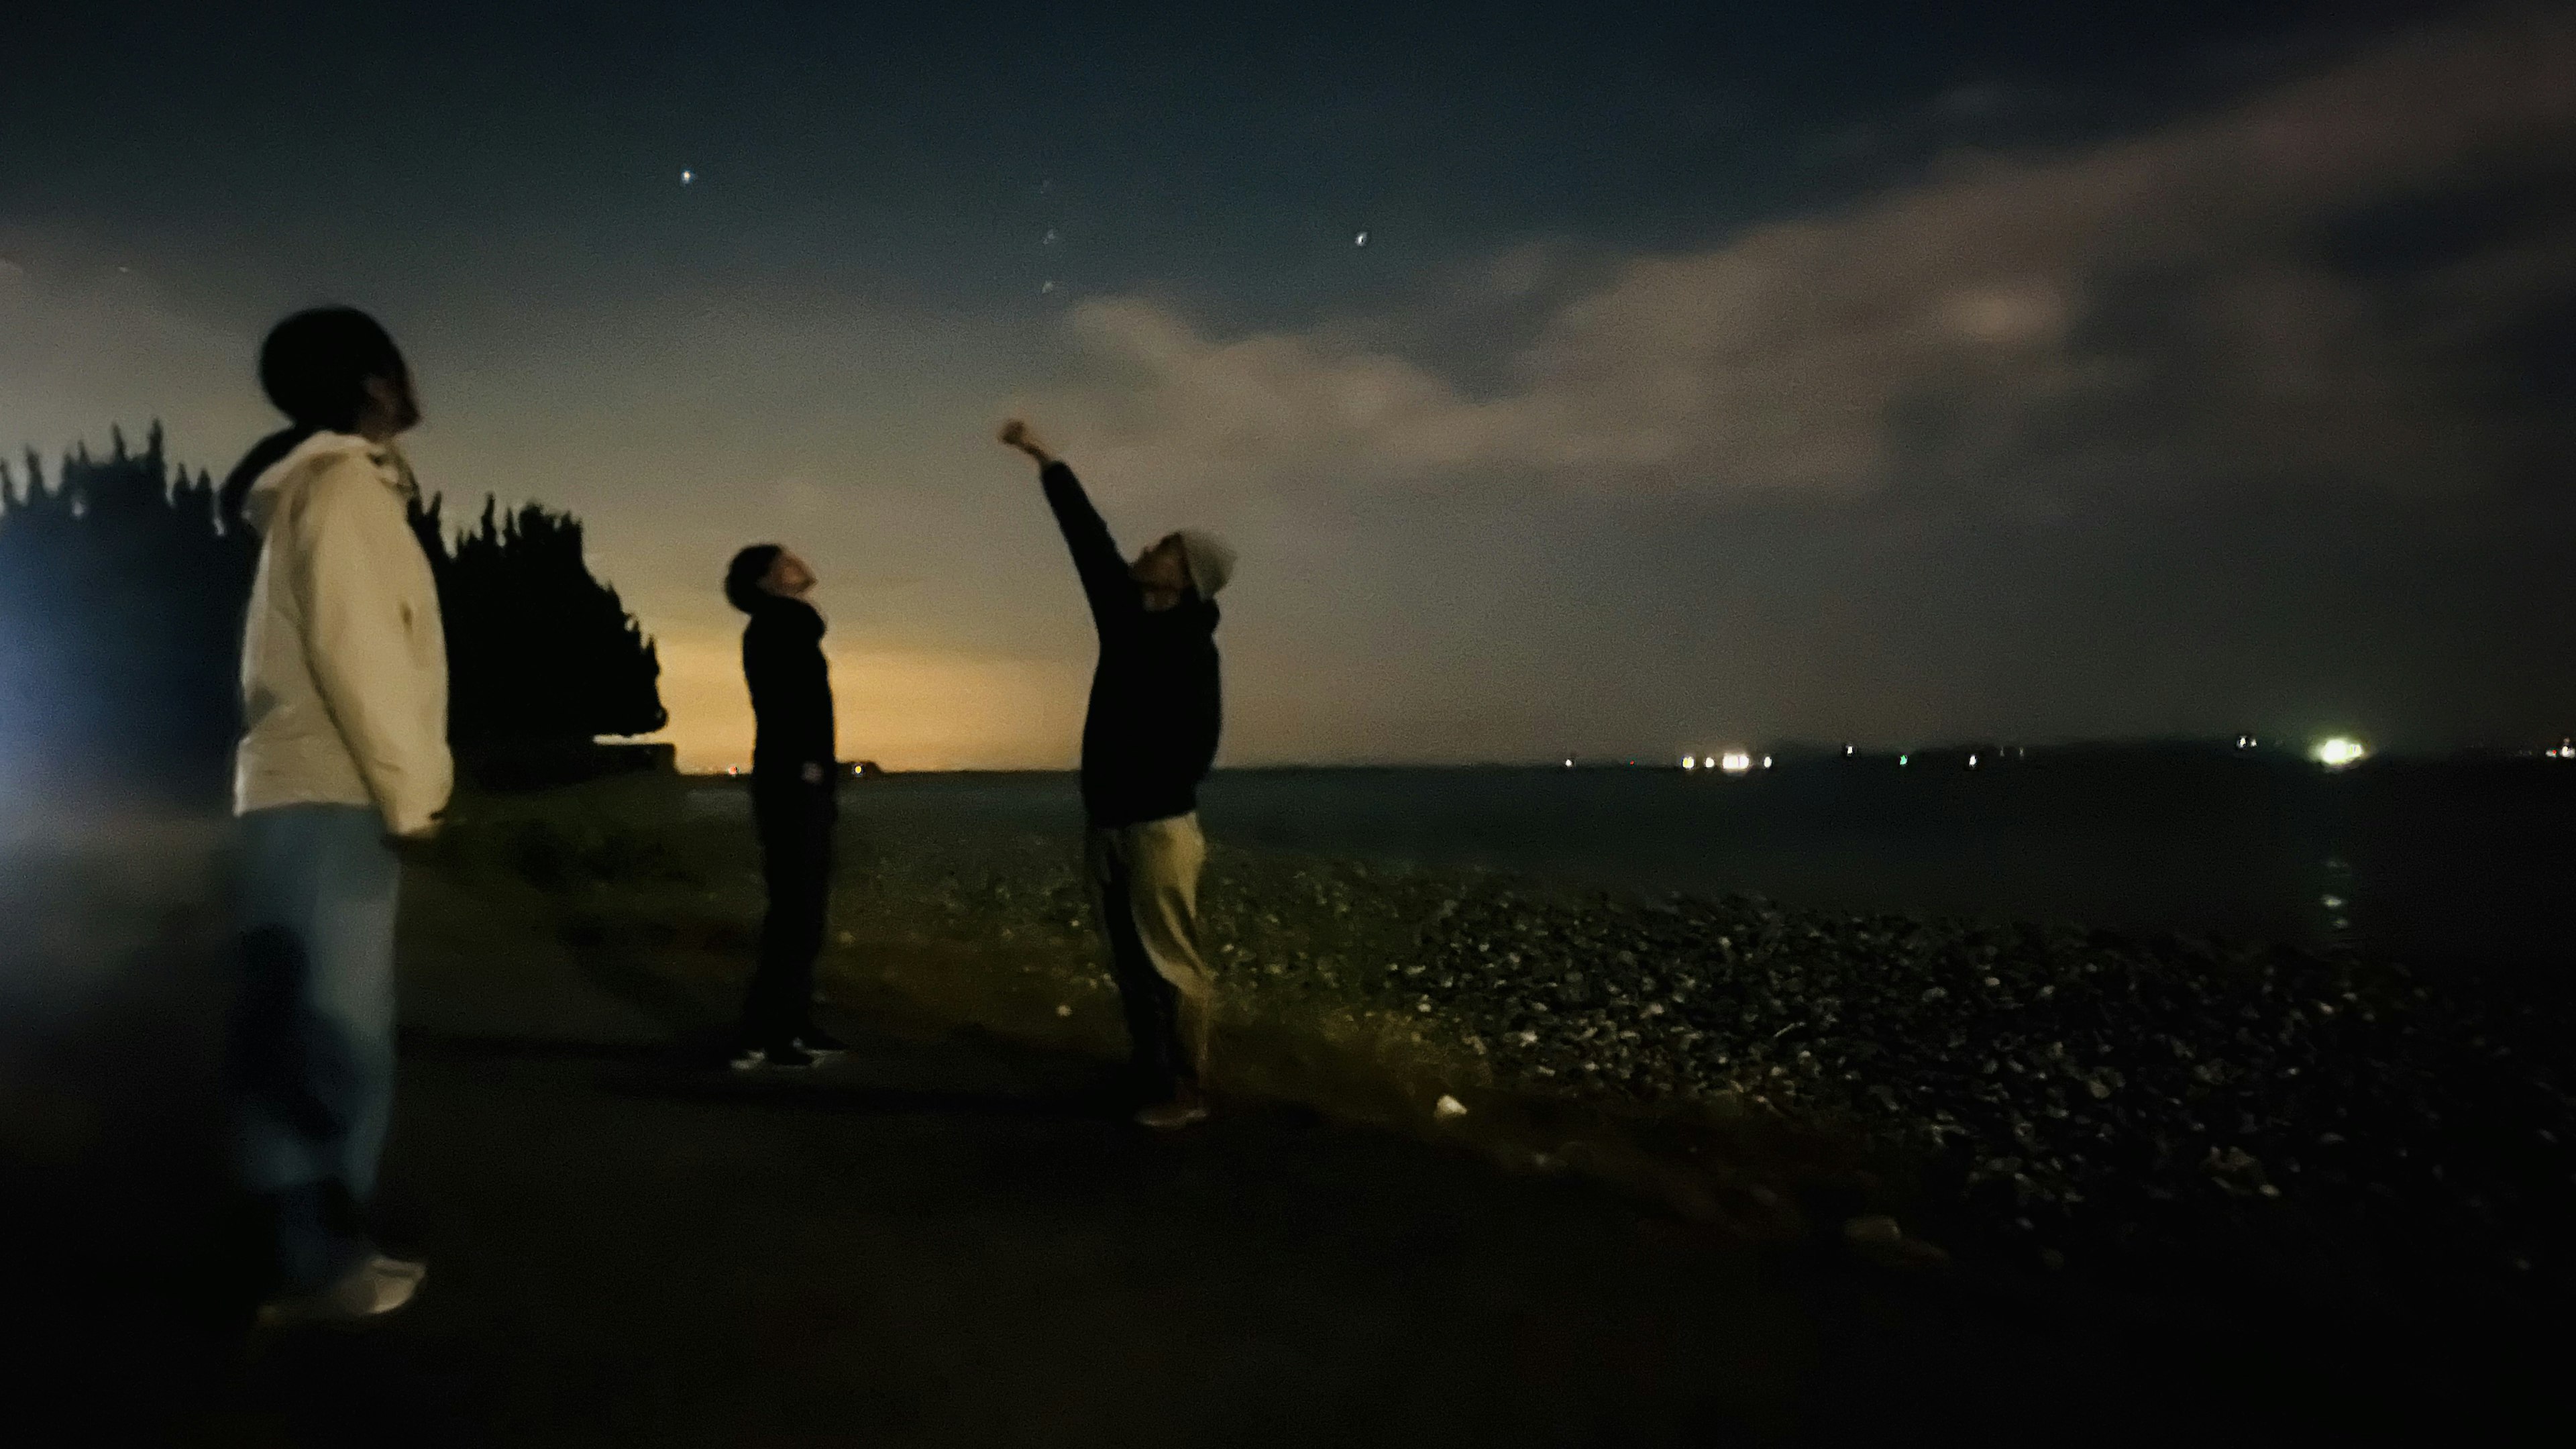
{"x":377,"y":1285}
{"x":1174,"y":1115}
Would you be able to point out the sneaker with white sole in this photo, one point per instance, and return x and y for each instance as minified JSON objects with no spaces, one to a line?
{"x":819,"y":1044}
{"x":377,"y":1285}
{"x":788,"y":1057}
{"x":1174,"y":1115}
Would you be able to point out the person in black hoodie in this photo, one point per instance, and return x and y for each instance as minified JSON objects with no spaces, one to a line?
{"x":1151,"y":734}
{"x":795,"y":801}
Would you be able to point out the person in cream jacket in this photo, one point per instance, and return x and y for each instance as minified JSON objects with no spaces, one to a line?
{"x":343,"y":755}
{"x":344,"y":662}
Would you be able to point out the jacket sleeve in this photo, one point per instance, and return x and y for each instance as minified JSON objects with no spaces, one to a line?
{"x":357,"y":576}
{"x":1105,"y":580}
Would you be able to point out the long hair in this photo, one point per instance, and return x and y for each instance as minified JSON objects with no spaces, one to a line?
{"x":315,"y":367}
{"x":263,"y":455}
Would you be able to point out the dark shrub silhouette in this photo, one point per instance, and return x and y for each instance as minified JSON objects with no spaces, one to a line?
{"x":542,"y":657}
{"x":120,"y":615}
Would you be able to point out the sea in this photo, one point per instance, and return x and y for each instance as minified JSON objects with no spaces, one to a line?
{"x":2455,"y":863}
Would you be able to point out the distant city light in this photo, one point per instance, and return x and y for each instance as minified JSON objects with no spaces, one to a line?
{"x":1569,"y":764}
{"x":2566,"y":751}
{"x":1689,"y":763}
{"x":2338,"y":751}
{"x":1901,"y":759}
{"x":1735,"y":762}
{"x":1972,"y":762}
{"x":2246,"y":742}
{"x":1847,"y":749}
{"x":1766,"y":762}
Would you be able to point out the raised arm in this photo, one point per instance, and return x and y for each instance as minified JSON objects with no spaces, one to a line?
{"x":1105,"y":580}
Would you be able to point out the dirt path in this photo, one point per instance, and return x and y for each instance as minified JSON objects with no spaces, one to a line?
{"x":949,"y":1240}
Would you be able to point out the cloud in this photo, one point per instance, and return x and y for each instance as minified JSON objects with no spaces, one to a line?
{"x":2203,"y":304}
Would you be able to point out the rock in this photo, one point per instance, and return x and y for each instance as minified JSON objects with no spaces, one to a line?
{"x":1875,"y":1229}
{"x":1063,"y":1010}
{"x":1448,"y":1107}
{"x":1882,"y":1240}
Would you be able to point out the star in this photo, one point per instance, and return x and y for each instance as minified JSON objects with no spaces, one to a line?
{"x":687,"y":176}
{"x":1361,"y":240}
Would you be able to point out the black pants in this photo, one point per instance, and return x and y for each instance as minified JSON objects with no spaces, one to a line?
{"x":795,"y":821}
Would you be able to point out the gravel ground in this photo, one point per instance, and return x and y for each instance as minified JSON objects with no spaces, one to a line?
{"x":2076,"y":1096}
{"x":2082,"y":1090}
{"x":2085,"y":1098}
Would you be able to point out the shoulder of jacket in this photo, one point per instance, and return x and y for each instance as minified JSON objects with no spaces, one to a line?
{"x":350,"y":475}
{"x":360,"y":460}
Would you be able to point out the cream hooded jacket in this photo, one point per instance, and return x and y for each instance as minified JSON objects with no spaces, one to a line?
{"x":344,"y":660}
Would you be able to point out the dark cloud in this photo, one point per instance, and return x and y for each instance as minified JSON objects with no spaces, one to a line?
{"x":2326,"y":283}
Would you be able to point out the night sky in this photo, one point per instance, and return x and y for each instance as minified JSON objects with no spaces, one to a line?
{"x":1709,"y":373}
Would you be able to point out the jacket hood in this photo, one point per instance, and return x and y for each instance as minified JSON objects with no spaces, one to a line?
{"x":260,"y":504}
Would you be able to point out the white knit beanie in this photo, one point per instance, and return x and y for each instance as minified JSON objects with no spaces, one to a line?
{"x":1211,"y":560}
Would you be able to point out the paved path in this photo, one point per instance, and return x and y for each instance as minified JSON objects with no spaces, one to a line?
{"x":948,"y":1240}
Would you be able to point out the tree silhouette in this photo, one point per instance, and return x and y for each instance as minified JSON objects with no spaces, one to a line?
{"x":121,"y":604}
{"x":120,"y":611}
{"x":541,"y":655}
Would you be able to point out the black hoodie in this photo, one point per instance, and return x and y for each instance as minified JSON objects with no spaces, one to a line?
{"x":791,"y":689}
{"x":1156,"y":707}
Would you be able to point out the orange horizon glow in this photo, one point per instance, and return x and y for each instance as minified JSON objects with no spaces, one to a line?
{"x":903,"y":709}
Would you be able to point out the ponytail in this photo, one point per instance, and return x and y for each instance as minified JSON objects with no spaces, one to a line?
{"x":263,"y":455}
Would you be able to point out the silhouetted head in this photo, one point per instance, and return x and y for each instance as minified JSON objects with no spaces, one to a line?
{"x":336,"y":369}
{"x":764,"y":571}
{"x":331,"y":369}
{"x":1179,"y":562}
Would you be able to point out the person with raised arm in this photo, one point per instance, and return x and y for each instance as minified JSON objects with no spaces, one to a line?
{"x":1147,"y":742}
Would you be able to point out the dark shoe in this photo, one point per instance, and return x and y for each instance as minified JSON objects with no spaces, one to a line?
{"x":817,"y":1042}
{"x":787,"y":1057}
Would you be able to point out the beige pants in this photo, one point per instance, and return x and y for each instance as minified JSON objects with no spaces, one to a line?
{"x":1145,"y":880}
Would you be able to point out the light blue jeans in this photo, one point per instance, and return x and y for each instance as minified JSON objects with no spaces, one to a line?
{"x":311,"y":1056}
